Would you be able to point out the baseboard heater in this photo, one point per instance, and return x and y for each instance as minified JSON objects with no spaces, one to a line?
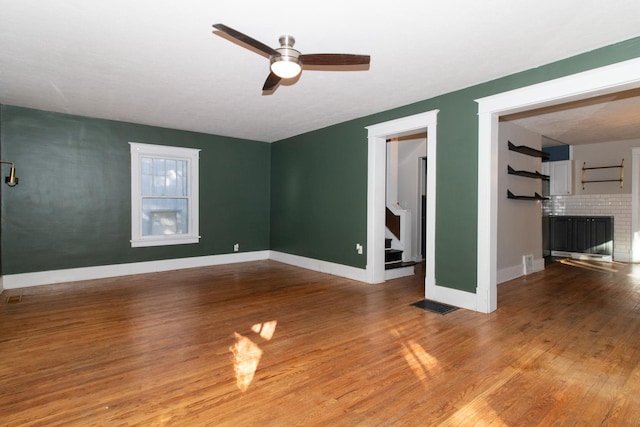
{"x":582,"y":256}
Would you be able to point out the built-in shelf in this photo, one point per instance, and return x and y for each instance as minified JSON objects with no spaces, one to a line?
{"x":527,"y":151}
{"x":527,"y":174}
{"x":536,"y":196}
{"x":620,"y":180}
{"x":523,"y":149}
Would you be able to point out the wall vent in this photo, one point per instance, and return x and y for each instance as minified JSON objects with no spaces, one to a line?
{"x":527,"y":264}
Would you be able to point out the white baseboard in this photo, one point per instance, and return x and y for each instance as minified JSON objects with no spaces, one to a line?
{"x":509,"y":273}
{"x":346,"y":271}
{"x":23,"y":280}
{"x":513,"y":272}
{"x":622,"y":258}
{"x":453,"y":297}
{"x":396,"y":273}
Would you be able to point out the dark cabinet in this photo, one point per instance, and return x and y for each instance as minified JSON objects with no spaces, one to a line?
{"x":581,"y":234}
{"x":561,"y":234}
{"x":602,"y":236}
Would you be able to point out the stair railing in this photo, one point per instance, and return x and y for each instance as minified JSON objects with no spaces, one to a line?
{"x":398,"y":222}
{"x":393,"y":223}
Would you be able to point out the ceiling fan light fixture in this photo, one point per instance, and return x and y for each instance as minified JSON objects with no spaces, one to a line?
{"x":286,"y":62}
{"x":286,"y":66}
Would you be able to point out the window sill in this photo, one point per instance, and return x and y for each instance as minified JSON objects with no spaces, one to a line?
{"x":164,"y":241}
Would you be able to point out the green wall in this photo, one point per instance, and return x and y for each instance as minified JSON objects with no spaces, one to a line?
{"x":297,"y":179}
{"x":72,"y":205}
{"x":305,"y":195}
{"x":319,"y":195}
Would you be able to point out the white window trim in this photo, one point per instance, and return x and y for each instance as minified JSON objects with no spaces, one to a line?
{"x":191,"y":155}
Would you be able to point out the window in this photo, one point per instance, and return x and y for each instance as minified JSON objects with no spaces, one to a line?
{"x":164,"y":195}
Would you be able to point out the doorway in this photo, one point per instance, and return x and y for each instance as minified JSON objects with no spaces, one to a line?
{"x":378,"y":135}
{"x":406,"y":183}
{"x":605,"y":80}
{"x":422,"y":196}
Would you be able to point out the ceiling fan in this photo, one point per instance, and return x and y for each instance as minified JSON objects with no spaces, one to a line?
{"x":286,"y":62}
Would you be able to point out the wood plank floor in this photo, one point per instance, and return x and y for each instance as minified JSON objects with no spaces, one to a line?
{"x":268,"y":344}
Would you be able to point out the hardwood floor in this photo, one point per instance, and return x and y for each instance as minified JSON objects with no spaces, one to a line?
{"x":264,"y":343}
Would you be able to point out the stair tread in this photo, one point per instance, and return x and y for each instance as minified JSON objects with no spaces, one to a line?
{"x":398,"y":264}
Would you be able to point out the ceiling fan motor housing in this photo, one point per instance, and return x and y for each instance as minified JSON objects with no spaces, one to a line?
{"x":291,"y":63}
{"x":287,"y":40}
{"x":287,"y":54}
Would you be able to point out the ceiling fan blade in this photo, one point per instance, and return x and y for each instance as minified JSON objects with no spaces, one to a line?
{"x":246,"y":39}
{"x":271,"y":82}
{"x":334,"y":59}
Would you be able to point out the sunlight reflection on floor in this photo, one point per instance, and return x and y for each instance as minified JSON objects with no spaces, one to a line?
{"x":421,"y":363}
{"x":603,"y":266}
{"x":634,"y":271}
{"x":419,"y":360}
{"x":480,"y":412}
{"x":266,"y":329}
{"x":247,"y":354}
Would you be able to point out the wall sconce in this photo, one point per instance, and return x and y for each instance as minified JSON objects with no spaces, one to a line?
{"x":12,"y":179}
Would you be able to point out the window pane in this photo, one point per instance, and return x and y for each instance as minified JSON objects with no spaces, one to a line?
{"x":170,"y":178}
{"x":181,"y":179}
{"x":164,"y":216}
{"x":158,"y":177}
{"x":146,"y":163}
{"x":146,"y":175}
{"x":164,"y":177}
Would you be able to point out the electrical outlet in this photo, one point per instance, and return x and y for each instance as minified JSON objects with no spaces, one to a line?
{"x":236,"y":247}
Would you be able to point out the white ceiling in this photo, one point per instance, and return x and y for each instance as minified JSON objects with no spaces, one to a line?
{"x":607,"y":118}
{"x":157,"y":62}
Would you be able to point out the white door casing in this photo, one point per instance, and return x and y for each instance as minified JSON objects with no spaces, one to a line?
{"x":377,"y":151}
{"x":600,"y":81}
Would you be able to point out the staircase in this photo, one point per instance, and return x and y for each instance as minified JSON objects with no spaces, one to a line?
{"x":392,"y":257}
{"x":393,"y":264}
{"x":398,"y":225}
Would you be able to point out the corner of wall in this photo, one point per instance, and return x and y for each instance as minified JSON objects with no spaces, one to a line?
{"x":515,"y":271}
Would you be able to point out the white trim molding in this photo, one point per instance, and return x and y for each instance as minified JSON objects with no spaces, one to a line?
{"x":377,"y":140}
{"x":515,"y":271}
{"x":600,"y":81}
{"x":23,"y":280}
{"x":327,"y":267}
{"x":454,"y":297}
{"x":635,"y":199}
{"x":190,"y":157}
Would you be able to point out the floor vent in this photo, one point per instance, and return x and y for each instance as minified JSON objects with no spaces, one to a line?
{"x":14,"y":299}
{"x":434,"y":306}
